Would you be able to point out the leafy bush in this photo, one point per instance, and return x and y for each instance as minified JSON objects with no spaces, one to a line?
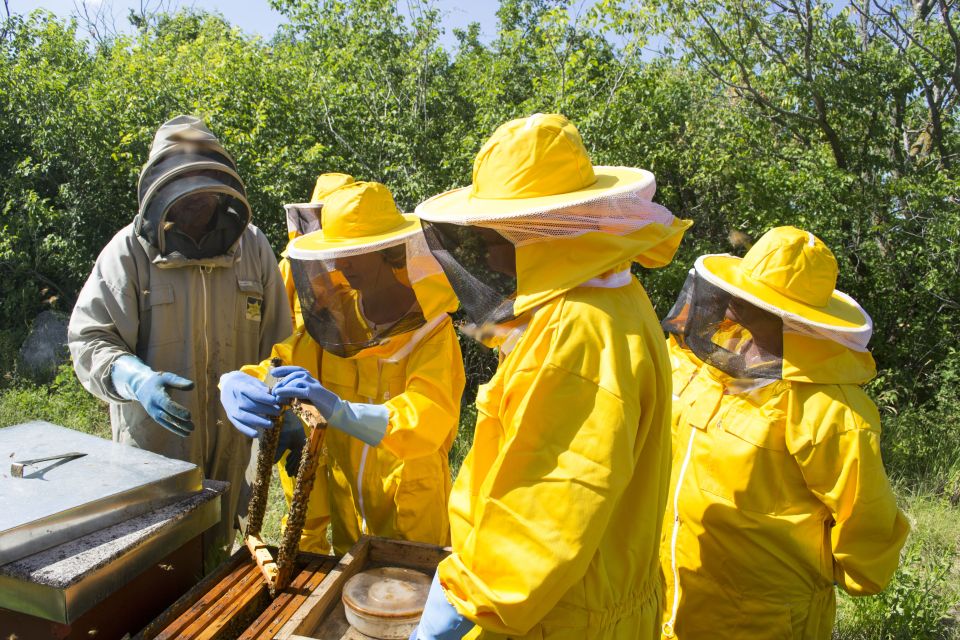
{"x":921,"y":443}
{"x":358,"y":87}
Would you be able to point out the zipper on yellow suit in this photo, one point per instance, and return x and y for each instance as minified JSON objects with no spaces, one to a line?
{"x":669,"y":625}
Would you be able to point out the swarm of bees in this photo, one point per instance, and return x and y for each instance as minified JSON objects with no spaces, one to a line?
{"x":289,"y":545}
{"x":301,"y":492}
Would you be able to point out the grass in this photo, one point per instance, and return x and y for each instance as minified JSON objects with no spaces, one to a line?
{"x":63,"y":402}
{"x":461,"y":444}
{"x":276,"y":507}
{"x":922,"y":601}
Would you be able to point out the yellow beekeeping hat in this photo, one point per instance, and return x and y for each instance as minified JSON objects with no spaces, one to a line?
{"x":304,"y":217}
{"x":327,"y":183}
{"x":528,"y":166}
{"x":357,"y":218}
{"x":792,"y":273}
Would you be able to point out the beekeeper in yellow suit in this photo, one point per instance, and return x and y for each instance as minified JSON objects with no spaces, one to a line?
{"x":778,"y":491}
{"x":304,"y":218}
{"x":378,"y":356}
{"x":555,"y":515}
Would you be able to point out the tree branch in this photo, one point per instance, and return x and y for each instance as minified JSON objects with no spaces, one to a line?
{"x":6,"y":21}
{"x":955,"y":38}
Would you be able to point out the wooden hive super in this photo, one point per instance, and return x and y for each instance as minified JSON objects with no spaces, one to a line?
{"x":321,"y":617}
{"x":234,"y":603}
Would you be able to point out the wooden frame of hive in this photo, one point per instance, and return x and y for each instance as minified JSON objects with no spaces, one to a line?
{"x":234,"y":602}
{"x":320,"y":615}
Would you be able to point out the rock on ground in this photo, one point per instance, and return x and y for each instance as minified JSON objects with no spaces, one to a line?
{"x":45,"y":348}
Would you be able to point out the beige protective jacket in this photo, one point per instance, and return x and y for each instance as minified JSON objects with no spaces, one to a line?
{"x":195,"y":318}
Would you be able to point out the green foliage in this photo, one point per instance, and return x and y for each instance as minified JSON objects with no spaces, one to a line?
{"x":813,"y":118}
{"x":272,"y":531}
{"x":922,"y":447}
{"x":769,"y":114}
{"x":464,"y":439}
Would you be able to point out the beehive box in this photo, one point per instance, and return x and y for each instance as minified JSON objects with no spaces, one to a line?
{"x":321,"y":617}
{"x":233,"y":602}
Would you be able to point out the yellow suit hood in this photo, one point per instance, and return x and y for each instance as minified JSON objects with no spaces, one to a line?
{"x":549,"y":268}
{"x":808,"y":359}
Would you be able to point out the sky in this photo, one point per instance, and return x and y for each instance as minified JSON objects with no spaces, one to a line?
{"x":256,"y":16}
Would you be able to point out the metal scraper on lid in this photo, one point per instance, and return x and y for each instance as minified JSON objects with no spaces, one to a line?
{"x":16,"y":468}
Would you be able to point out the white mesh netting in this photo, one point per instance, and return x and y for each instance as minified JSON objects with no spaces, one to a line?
{"x":617,"y":214}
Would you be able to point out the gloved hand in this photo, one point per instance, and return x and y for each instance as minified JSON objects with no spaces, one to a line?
{"x":440,"y":620}
{"x":366,"y":422}
{"x":248,"y":403}
{"x":134,"y":380}
{"x":292,"y":439}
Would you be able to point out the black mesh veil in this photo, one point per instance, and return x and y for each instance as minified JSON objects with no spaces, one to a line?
{"x":226,"y":226}
{"x":481,"y":267}
{"x":356,"y":302}
{"x":725,"y":331}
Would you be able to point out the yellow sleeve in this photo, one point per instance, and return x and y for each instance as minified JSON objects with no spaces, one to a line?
{"x":546,"y":501}
{"x":424,"y":417}
{"x":287,"y":275}
{"x":836,"y":441}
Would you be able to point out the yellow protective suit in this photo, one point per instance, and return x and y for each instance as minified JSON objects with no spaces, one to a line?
{"x":398,"y":489}
{"x":555,"y":512}
{"x":684,"y":366}
{"x":555,"y":515}
{"x":777,"y":493}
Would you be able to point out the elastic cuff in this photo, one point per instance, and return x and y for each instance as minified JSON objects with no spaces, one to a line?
{"x":124,"y":367}
{"x":366,"y":422}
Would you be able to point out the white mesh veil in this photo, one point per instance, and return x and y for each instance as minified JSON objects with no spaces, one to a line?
{"x":855,"y":338}
{"x":477,"y":252}
{"x":726,"y":332}
{"x":618,"y":213}
{"x":741,"y":334}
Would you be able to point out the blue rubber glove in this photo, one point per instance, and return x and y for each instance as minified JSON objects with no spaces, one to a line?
{"x":134,"y":380}
{"x":440,"y":620}
{"x":366,"y":422}
{"x":248,"y":403}
{"x":292,"y":439}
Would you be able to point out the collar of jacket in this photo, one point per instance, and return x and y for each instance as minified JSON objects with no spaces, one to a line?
{"x":177,"y":260}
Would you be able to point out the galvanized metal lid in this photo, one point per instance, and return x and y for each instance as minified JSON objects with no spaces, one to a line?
{"x":60,"y":500}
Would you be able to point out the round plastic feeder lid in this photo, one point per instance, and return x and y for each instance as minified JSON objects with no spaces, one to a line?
{"x":387,"y":592}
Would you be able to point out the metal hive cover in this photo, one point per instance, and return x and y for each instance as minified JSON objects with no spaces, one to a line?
{"x":58,"y":501}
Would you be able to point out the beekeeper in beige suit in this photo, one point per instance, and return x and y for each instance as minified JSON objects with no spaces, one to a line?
{"x":188,"y":291}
